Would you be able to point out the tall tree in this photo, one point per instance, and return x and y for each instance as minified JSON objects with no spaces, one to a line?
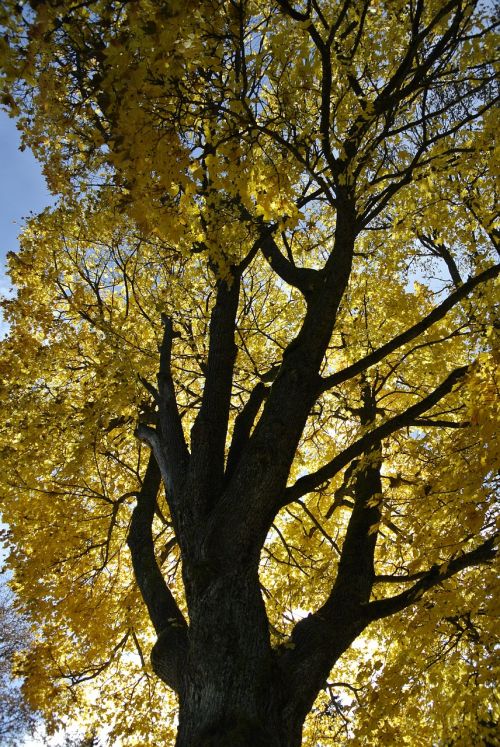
{"x":255,"y":342}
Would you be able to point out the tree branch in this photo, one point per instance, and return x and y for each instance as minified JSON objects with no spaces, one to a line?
{"x":172,"y":435}
{"x":320,"y":638}
{"x":484,"y":553}
{"x":310,"y":482}
{"x":208,"y":435}
{"x":431,"y":423}
{"x":264,"y":466}
{"x":389,"y":347}
{"x":164,"y":613}
{"x":243,"y":425}
{"x":356,"y":567}
{"x":302,"y":278}
{"x":151,"y":437}
{"x":392,"y":89}
{"x":295,"y":14}
{"x":440,"y":250}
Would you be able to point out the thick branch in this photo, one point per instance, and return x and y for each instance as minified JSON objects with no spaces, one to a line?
{"x":324,"y":49}
{"x":243,"y":425}
{"x":162,"y":607}
{"x":326,"y":99}
{"x":302,"y":278}
{"x":151,"y":437}
{"x":386,"y":607}
{"x":440,"y":250}
{"x":295,"y":14}
{"x":208,"y":436}
{"x":435,"y":315}
{"x":322,"y":637}
{"x":264,"y":466}
{"x":437,"y":423}
{"x":356,"y":567}
{"x":310,"y":482}
{"x":172,"y":435}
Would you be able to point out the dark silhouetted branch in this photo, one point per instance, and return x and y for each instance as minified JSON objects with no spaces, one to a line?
{"x":165,"y":615}
{"x":485,"y":553}
{"x":310,"y":482}
{"x":435,"y":315}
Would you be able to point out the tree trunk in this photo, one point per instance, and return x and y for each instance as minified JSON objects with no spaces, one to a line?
{"x":231,"y":694}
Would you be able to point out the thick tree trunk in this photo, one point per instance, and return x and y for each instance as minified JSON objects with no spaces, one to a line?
{"x":231,"y":694}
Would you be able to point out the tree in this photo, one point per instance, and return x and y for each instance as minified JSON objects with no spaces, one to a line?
{"x":255,"y":341}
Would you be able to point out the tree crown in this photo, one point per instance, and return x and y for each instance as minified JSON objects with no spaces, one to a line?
{"x":271,"y":265}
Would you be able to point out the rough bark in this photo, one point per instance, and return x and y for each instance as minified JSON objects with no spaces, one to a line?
{"x":229,"y":694}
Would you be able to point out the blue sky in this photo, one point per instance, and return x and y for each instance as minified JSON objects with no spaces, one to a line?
{"x":22,"y":190}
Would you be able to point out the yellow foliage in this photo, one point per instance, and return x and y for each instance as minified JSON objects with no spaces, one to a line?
{"x":177,"y":137}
